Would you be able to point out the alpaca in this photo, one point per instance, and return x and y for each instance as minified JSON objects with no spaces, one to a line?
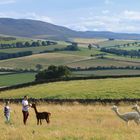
{"x":127,"y":116}
{"x":41,"y":115}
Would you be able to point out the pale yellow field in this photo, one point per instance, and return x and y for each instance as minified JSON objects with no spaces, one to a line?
{"x":70,"y":122}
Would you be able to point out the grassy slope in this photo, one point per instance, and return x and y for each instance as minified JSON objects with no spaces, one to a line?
{"x":44,"y":59}
{"x":84,"y":89}
{"x":70,"y":123}
{"x":72,"y":59}
{"x":13,"y":79}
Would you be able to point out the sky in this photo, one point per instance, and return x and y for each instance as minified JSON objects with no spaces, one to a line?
{"x":81,"y":15}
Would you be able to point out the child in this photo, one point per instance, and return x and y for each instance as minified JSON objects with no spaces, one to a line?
{"x":7,"y":112}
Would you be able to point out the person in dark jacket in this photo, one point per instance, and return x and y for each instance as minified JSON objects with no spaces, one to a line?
{"x":7,"y":112}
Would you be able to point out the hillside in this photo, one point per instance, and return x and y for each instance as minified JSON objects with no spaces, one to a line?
{"x":40,"y":29}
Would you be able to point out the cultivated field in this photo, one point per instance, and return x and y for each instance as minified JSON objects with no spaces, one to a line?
{"x":107,"y":72}
{"x":44,"y":59}
{"x":33,"y":49}
{"x":70,"y":122}
{"x":81,"y":89}
{"x":106,"y":62}
{"x":87,"y":41}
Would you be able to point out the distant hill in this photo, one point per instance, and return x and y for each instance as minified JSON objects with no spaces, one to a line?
{"x":44,"y":30}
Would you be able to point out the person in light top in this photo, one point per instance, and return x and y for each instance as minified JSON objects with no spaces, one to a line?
{"x":7,"y":112}
{"x":25,"y":109}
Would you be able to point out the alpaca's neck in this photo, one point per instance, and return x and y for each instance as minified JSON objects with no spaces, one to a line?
{"x":118,"y":114}
{"x":138,"y":111}
{"x":35,"y":110}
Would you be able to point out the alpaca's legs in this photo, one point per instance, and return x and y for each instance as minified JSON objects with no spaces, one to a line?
{"x":127,"y":123}
{"x":47,"y":120}
{"x":37,"y":121}
{"x":137,"y":122}
{"x":40,"y":122}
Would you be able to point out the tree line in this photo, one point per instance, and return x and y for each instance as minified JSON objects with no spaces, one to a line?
{"x":27,"y":44}
{"x":131,"y":53}
{"x":14,"y":55}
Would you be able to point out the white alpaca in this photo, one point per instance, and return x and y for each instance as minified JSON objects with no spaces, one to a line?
{"x":136,"y":107}
{"x":127,"y":116}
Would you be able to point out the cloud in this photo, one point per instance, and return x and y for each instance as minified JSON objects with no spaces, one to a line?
{"x":2,"y":2}
{"x":31,"y":15}
{"x":108,"y":2}
{"x":105,"y":11}
{"x":124,"y":21}
{"x":132,"y":15}
{"x":35,"y":16}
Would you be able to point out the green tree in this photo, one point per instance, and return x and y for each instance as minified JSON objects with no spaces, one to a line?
{"x":27,"y":44}
{"x":53,"y":72}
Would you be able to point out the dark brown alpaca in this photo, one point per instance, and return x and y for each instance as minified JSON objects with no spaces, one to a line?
{"x":41,"y":115}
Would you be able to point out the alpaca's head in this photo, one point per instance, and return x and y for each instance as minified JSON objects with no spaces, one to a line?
{"x":135,"y":107}
{"x":33,"y":105}
{"x":114,"y":108}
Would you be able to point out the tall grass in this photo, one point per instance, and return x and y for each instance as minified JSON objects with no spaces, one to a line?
{"x":70,"y":122}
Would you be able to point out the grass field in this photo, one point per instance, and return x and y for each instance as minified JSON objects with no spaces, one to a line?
{"x":70,"y":122}
{"x":115,"y":42}
{"x":66,"y":58}
{"x":102,"y":62}
{"x":107,"y":72}
{"x":33,"y":49}
{"x":81,"y":89}
{"x":13,"y":79}
{"x":87,"y":41}
{"x":44,"y":59}
{"x":84,"y":52}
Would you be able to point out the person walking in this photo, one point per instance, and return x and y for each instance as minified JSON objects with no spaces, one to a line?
{"x":25,"y":109}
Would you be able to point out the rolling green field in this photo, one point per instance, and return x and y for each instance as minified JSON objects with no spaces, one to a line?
{"x":13,"y":79}
{"x":70,"y":122}
{"x":81,"y":89}
{"x":76,"y":59}
{"x":77,"y":121}
{"x":44,"y":59}
{"x":70,"y":59}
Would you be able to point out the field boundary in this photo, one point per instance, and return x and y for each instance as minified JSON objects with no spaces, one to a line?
{"x":75,"y":101}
